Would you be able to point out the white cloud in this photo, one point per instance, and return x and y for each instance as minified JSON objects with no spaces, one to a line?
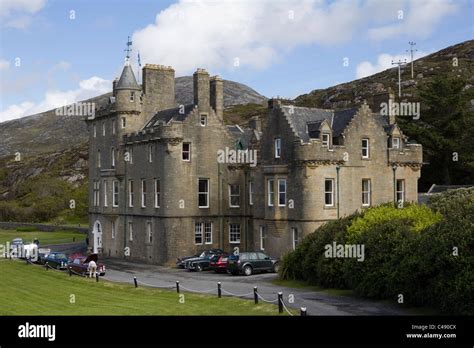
{"x":89,"y":88}
{"x":420,"y":18}
{"x":384,"y":61}
{"x":17,"y":13}
{"x":4,"y":64}
{"x":20,"y":22}
{"x":7,"y":7}
{"x":210,"y":34}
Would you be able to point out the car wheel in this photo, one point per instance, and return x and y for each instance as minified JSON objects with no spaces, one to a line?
{"x":276,"y":267}
{"x":247,"y":270}
{"x":198,"y":268}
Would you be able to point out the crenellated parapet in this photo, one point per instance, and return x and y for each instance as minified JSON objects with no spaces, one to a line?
{"x":167,"y":133}
{"x":315,"y":154}
{"x":411,"y":156}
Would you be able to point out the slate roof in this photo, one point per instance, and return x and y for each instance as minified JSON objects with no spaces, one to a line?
{"x":341,"y":120}
{"x":299,"y":117}
{"x":127,"y":79}
{"x":306,"y":121}
{"x":244,"y":135}
{"x":170,"y":115}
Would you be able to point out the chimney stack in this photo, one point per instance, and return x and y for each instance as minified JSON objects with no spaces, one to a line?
{"x":217,"y":96}
{"x":384,"y":101}
{"x":158,"y":88}
{"x":201,"y":89}
{"x":255,"y":123}
{"x":274,"y":103}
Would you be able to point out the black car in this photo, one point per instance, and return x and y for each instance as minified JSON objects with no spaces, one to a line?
{"x":248,"y":263}
{"x":181,"y":262}
{"x":202,"y":262}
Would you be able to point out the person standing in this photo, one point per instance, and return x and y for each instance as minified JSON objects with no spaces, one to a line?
{"x":92,"y":268}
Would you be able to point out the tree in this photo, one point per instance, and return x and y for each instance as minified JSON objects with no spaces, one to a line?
{"x":446,"y":131}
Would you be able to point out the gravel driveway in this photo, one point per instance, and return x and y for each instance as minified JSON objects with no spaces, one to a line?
{"x":317,"y":303}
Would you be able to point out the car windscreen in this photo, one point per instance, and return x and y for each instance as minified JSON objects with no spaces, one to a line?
{"x":60,"y":256}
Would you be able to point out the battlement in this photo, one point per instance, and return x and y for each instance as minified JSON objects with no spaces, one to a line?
{"x":162,"y":132}
{"x":159,"y":67}
{"x":201,"y":71}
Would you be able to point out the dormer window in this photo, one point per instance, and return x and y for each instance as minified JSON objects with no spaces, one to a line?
{"x":203,"y":120}
{"x":325,"y":139}
{"x":132,"y":97}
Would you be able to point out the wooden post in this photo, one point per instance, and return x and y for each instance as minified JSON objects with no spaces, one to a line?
{"x":280,"y":302}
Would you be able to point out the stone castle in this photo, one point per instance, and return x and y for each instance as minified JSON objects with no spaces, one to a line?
{"x":168,"y":180}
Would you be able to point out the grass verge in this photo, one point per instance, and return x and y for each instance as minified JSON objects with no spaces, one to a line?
{"x":31,"y":290}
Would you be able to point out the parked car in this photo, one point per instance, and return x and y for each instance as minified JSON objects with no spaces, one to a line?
{"x":181,"y":262}
{"x":218,"y":263}
{"x":80,"y":264}
{"x":248,"y":263}
{"x":56,"y":260}
{"x":202,"y":263}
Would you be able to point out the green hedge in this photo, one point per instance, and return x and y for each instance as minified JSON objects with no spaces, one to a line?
{"x":409,"y":251}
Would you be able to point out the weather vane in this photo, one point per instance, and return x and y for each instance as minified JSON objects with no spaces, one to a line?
{"x":129,"y":48}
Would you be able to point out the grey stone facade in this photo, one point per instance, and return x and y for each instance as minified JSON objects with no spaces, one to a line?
{"x":159,"y":189}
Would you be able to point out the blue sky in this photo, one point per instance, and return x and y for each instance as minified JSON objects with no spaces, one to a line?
{"x":283,"y":48}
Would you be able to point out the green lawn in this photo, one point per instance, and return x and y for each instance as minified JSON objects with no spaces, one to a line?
{"x":45,"y":238}
{"x":31,"y":290}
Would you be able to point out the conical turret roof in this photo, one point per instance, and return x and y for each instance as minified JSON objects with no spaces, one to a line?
{"x":127,"y":79}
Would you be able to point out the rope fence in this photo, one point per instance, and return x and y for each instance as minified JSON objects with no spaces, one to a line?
{"x":178,"y":287}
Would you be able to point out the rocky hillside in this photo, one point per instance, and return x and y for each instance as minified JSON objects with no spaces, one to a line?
{"x":439,"y":64}
{"x":47,"y":132}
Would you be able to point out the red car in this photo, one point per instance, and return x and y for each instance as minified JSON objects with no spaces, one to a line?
{"x":80,"y":264}
{"x":219,"y":263}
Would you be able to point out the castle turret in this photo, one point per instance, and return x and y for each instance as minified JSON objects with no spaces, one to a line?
{"x":217,"y":96}
{"x":158,"y":88}
{"x":127,"y":91}
{"x":128,"y":102}
{"x":201,"y":89}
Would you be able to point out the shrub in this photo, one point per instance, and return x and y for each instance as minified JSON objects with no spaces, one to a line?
{"x":308,"y":262}
{"x":385,"y":246}
{"x":441,"y":263}
{"x":418,"y":216}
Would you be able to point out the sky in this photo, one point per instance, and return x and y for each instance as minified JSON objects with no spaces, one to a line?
{"x":57,"y":52}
